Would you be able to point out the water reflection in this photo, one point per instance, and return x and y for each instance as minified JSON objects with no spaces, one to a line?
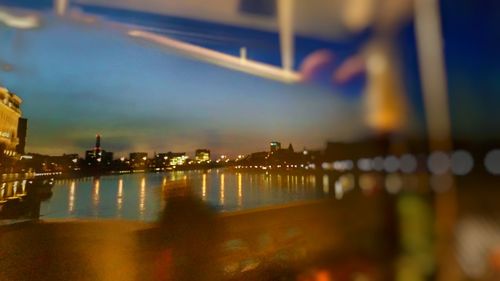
{"x":21,"y":199}
{"x":222,"y":189}
{"x":95,"y":196}
{"x":119,"y":196}
{"x":339,"y":190}
{"x":204,"y":186}
{"x":140,"y":196}
{"x":240,"y":191}
{"x":71,"y":197}
{"x":326,"y":184}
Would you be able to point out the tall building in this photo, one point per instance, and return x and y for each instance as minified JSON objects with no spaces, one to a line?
{"x":22,"y":131}
{"x":98,"y":142}
{"x":97,"y":157}
{"x":202,"y":155}
{"x":10,"y":113}
{"x":275,"y":146}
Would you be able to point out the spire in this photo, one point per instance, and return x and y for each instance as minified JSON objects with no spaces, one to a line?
{"x":290,"y":148}
{"x":98,"y":142}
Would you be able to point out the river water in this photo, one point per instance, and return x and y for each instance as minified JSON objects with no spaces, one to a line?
{"x":141,"y":196}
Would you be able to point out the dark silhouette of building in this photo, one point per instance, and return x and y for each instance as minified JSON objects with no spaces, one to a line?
{"x":66,"y":163}
{"x":337,"y":151}
{"x":275,"y":146}
{"x":22,"y":130}
{"x":138,"y":160}
{"x":161,"y":160}
{"x":97,"y":157}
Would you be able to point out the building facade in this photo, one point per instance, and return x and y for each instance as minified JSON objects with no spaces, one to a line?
{"x":202,"y":155}
{"x":10,"y":113}
{"x":138,"y":160}
{"x":178,"y":159}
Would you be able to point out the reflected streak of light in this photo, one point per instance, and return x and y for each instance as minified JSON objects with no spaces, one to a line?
{"x":71,"y":197}
{"x":142,"y":197}
{"x":339,"y":190}
{"x":163,"y":193}
{"x":313,"y":180}
{"x":119,"y":195}
{"x":163,"y":188}
{"x":221,"y":59}
{"x":95,"y":195}
{"x":222,"y":189}
{"x":240,"y":190}
{"x":326,"y":184}
{"x":204,"y":186}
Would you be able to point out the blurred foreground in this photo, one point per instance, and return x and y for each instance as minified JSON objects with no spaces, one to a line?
{"x":390,"y":238}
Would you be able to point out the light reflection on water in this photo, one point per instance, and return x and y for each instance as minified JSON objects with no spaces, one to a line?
{"x":140,"y":196}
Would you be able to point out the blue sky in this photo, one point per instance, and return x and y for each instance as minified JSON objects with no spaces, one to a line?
{"x":81,"y":79}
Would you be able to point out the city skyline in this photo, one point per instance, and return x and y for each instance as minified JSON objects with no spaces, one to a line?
{"x":192,"y":153}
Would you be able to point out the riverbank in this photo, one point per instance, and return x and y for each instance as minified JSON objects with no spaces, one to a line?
{"x":246,"y":245}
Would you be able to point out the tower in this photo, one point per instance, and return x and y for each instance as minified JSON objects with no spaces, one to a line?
{"x":98,"y":142}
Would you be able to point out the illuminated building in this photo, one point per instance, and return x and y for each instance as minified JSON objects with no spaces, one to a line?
{"x":138,"y":160}
{"x":10,"y":113}
{"x":178,"y":159}
{"x":97,"y":156}
{"x":202,"y":155}
{"x":275,"y":146}
{"x":169,"y":159}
